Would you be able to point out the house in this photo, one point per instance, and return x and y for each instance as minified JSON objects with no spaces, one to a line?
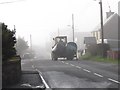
{"x":111,"y":32}
{"x":79,"y":39}
{"x":89,"y":40}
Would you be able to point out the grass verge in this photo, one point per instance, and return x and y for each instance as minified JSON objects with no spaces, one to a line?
{"x":87,"y":56}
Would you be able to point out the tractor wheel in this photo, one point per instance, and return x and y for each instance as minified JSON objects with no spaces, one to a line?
{"x":55,"y":59}
{"x":69,"y":58}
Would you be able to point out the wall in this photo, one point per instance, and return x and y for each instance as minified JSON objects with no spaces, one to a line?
{"x":11,"y":72}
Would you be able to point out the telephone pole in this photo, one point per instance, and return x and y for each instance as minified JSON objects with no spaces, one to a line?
{"x":102,"y":32}
{"x":31,"y":41}
{"x":15,"y":30}
{"x":15,"y":35}
{"x":101,"y":14}
{"x":73,"y":25}
{"x":58,"y":32}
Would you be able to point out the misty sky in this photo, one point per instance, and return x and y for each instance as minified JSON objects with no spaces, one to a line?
{"x":40,"y":18}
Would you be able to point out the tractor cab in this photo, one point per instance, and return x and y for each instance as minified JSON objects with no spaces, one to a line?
{"x":60,"y":39}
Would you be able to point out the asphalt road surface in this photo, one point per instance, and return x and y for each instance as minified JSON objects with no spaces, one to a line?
{"x":75,"y":73}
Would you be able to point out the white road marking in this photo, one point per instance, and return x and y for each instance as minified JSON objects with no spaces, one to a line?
{"x":98,"y":74}
{"x":78,"y":67}
{"x":86,"y":70}
{"x":72,"y":65}
{"x":40,"y":74}
{"x":62,"y":61}
{"x":114,"y":80}
{"x":46,"y":85}
{"x":94,"y":73}
{"x":67,"y":63}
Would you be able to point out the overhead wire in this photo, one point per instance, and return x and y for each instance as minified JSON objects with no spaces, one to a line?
{"x":11,"y":1}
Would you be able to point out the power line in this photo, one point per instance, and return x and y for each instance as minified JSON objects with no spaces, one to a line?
{"x":11,"y":1}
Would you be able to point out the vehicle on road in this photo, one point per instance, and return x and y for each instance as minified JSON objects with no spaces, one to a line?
{"x":62,"y":49}
{"x":28,"y":56}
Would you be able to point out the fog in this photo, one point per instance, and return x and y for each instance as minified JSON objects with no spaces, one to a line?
{"x":41,"y":52}
{"x":42,"y":18}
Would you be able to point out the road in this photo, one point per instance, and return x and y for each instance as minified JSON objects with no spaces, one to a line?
{"x":75,"y":73}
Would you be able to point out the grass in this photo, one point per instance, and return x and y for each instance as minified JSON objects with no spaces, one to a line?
{"x":14,"y":59}
{"x":87,"y":56}
{"x":107,"y":60}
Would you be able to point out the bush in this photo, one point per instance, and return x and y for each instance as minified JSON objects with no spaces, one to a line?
{"x":98,"y":49}
{"x":8,"y":43}
{"x":102,"y":49}
{"x":92,"y":49}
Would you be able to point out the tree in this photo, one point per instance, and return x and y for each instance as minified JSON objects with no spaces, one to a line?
{"x":21,"y":46}
{"x":8,"y":43}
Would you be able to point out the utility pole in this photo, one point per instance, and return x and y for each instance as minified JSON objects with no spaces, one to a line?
{"x":31,"y":41}
{"x":101,"y":14}
{"x":58,"y":32}
{"x":14,"y":28}
{"x":102,"y":32}
{"x":73,"y":25}
{"x":15,"y":35}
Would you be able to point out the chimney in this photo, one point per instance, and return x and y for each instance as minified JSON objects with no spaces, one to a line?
{"x":108,"y":14}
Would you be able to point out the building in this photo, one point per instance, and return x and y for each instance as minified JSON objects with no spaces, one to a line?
{"x":79,"y":39}
{"x":89,"y":41}
{"x":111,"y":32}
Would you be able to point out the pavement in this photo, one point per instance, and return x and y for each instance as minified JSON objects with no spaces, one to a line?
{"x":29,"y":80}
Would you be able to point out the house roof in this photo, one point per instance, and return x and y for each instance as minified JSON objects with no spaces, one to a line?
{"x":90,"y":40}
{"x":98,"y":27}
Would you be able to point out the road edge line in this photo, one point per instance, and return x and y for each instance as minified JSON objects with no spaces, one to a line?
{"x":40,"y":74}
